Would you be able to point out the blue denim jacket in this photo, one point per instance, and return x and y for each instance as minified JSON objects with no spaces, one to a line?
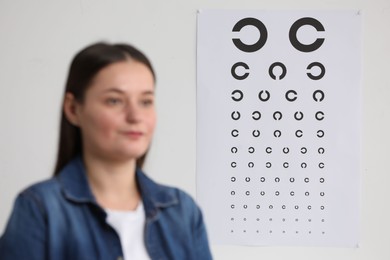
{"x":60,"y":219}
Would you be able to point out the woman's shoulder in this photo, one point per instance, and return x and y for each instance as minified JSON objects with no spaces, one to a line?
{"x":41,"y":191}
{"x":42,"y":187}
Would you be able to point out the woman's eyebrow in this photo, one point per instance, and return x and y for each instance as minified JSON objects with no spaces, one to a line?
{"x":148,"y":92}
{"x":113,"y":89}
{"x":119,"y":91}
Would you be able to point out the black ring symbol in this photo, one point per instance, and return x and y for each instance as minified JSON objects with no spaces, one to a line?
{"x":303,"y":150}
{"x":234,"y":132}
{"x":247,"y":179}
{"x":233,"y":179}
{"x":309,"y":207}
{"x":298,"y":115}
{"x":296,"y":207}
{"x":291,"y":99}
{"x":283,"y":206}
{"x":251,"y":165}
{"x":256,"y":115}
{"x":268,"y":165}
{"x":321,"y":150}
{"x":286,"y":150}
{"x":234,"y":150}
{"x":293,"y":34}
{"x":270,"y":207}
{"x":236,"y":115}
{"x":320,"y":115}
{"x":285,"y":164}
{"x":268,"y":150}
{"x":322,"y":207}
{"x":262,"y":179}
{"x":321,"y":165}
{"x":266,"y":98}
{"x":233,"y":193}
{"x":292,"y":193}
{"x":277,"y":179}
{"x":277,"y":133}
{"x":307,"y":180}
{"x":247,"y":193}
{"x":303,"y":165}
{"x":240,"y":95}
{"x":257,"y":207}
{"x":307,"y":193}
{"x":233,"y":164}
{"x":232,"y":206}
{"x":299,"y":133}
{"x":233,"y":70}
{"x":263,"y":34}
{"x":320,"y":133}
{"x":321,"y":93}
{"x":316,"y":64}
{"x":256,"y":133}
{"x":262,"y":193}
{"x":277,"y":115}
{"x":322,"y":180}
{"x":245,"y":206}
{"x":322,"y":194}
{"x":271,"y":70}
{"x":251,"y":150}
{"x":292,"y":179}
{"x":277,"y":193}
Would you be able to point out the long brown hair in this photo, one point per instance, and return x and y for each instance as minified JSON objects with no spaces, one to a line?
{"x":85,"y":65}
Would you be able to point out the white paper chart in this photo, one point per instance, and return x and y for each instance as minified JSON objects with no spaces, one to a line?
{"x":278,"y":126}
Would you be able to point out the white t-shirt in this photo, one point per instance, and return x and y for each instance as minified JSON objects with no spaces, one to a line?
{"x":130,"y":227}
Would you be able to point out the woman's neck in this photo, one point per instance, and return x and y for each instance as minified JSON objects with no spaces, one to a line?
{"x":113,"y":184}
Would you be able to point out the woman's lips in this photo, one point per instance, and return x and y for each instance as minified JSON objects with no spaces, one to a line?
{"x":134,"y":134}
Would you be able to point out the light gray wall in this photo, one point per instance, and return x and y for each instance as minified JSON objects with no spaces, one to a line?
{"x":38,"y":39}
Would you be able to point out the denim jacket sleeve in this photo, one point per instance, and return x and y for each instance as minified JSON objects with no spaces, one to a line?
{"x":24,"y":236}
{"x":202,"y":249}
{"x":201,"y":244}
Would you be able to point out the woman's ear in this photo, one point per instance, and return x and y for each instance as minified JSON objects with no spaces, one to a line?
{"x":70,"y":109}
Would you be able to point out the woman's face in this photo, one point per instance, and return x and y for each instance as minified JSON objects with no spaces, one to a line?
{"x":117,"y":117}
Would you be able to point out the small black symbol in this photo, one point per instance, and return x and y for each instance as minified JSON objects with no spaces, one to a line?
{"x":289,"y":93}
{"x":277,"y":64}
{"x":277,"y":115}
{"x":319,"y":93}
{"x":267,"y":95}
{"x":236,"y":115}
{"x":319,"y":65}
{"x":235,"y":66}
{"x":237,"y":95}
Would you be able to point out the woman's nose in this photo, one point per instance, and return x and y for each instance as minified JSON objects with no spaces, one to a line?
{"x":133,"y":113}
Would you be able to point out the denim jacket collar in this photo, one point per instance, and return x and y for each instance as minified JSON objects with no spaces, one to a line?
{"x":76,"y":188}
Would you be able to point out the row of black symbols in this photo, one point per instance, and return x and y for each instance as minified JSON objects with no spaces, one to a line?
{"x":286,"y":165}
{"x":276,"y":193}
{"x":277,"y":116}
{"x":272,"y":207}
{"x":292,"y":35}
{"x":285,"y":150}
{"x":282,"y":231}
{"x":277,"y":133}
{"x":278,"y":179}
{"x":246,"y":69}
{"x":290,"y":95}
{"x":282,"y":220}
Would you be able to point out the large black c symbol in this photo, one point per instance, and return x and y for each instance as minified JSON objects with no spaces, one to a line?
{"x":257,"y":45}
{"x":306,"y":47}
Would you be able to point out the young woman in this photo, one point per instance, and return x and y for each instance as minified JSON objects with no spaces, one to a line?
{"x":99,"y":204}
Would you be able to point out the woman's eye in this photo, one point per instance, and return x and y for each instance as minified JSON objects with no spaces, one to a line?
{"x":147,"y":102}
{"x":113,"y":101}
